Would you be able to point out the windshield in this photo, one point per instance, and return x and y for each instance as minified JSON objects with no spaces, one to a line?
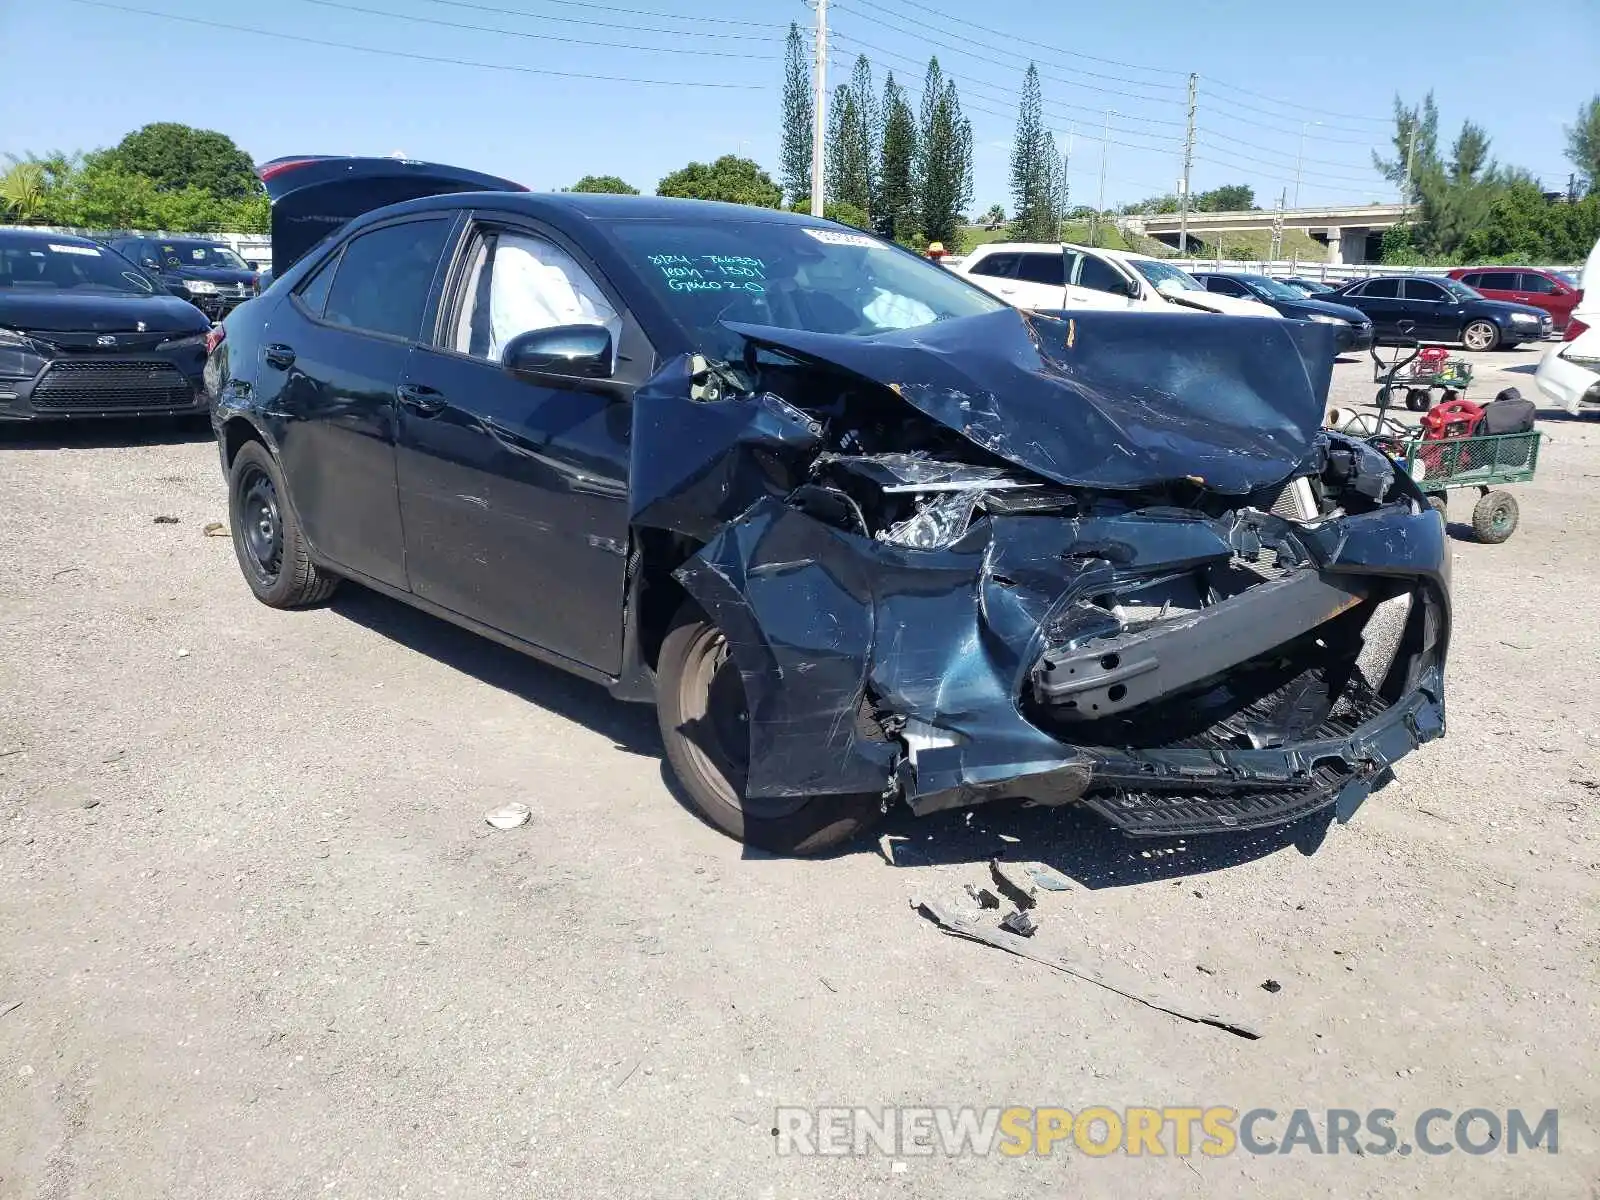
{"x":823,"y":280}
{"x":40,"y":265}
{"x":1459,"y":290}
{"x":1273,"y":287}
{"x":1158,"y":273}
{"x":206,"y":255}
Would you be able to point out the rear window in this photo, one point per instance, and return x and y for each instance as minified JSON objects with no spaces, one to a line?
{"x":1043,"y":268}
{"x":1003,"y":266}
{"x":1379,"y":289}
{"x":383,"y":278}
{"x":1494,"y":281}
{"x":41,"y":265}
{"x":205,"y":255}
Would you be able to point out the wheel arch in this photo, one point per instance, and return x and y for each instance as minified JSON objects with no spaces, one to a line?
{"x":653,"y":598}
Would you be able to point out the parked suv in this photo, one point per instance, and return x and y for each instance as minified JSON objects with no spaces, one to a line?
{"x":1044,"y":275}
{"x":1554,"y":291}
{"x":207,"y":274}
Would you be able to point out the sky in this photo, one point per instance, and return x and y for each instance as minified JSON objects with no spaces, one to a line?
{"x":515,"y":87}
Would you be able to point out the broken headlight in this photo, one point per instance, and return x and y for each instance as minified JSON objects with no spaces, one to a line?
{"x":939,"y":523}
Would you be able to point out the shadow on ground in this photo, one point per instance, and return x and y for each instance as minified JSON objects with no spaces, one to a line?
{"x":631,"y":727}
{"x":104,"y":434}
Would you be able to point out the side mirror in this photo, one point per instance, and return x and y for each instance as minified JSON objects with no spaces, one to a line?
{"x":564,"y":354}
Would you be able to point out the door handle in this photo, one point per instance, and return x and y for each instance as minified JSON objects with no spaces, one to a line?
{"x":280,"y":356}
{"x":424,"y":401}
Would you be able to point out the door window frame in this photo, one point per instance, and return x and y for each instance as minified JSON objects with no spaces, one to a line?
{"x":636,"y":356}
{"x":452,"y":218}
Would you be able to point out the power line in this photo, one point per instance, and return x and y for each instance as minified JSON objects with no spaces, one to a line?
{"x":633,"y":26}
{"x":1010,"y":93}
{"x":611,"y":8}
{"x":1044,"y":46}
{"x":980,"y":104}
{"x":540,"y":37}
{"x":432,"y":58}
{"x":1305,"y":107}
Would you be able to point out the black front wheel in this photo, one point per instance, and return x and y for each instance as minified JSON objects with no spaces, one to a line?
{"x":700,"y":703}
{"x":267,"y":539}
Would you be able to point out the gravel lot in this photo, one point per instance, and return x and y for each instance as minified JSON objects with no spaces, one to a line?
{"x":261,"y":942}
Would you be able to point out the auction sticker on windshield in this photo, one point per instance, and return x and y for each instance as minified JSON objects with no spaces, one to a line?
{"x":833,"y":237}
{"x":88,"y":251}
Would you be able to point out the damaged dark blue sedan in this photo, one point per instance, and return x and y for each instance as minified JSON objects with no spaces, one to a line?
{"x":863,"y":534}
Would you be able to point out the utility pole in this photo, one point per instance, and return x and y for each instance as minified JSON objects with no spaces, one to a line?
{"x":819,"y":117}
{"x":1300,"y":158}
{"x":1100,"y":206}
{"x":1188,"y":162}
{"x":1277,"y":228}
{"x":1411,"y":154}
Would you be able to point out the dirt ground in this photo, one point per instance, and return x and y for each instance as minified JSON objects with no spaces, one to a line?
{"x":256,"y":939}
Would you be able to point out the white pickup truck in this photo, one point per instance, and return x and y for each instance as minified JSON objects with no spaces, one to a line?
{"x":1064,"y":276}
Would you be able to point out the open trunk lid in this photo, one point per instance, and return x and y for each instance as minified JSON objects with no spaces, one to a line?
{"x":313,"y":195}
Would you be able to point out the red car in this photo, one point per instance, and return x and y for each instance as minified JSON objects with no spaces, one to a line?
{"x":1556,"y":292}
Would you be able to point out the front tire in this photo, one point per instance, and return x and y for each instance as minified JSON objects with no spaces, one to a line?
{"x":705,"y":727}
{"x":1481,"y":336}
{"x":267,"y":538}
{"x":1494,"y":518}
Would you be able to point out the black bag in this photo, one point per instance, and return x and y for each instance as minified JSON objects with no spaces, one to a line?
{"x":1508,"y":413}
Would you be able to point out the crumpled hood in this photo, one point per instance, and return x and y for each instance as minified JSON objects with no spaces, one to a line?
{"x":1104,"y":400}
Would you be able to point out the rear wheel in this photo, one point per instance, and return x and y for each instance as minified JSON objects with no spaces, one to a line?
{"x":1417,"y":399}
{"x":1481,"y":335}
{"x":705,"y":727}
{"x":267,"y":540}
{"x":1494,"y":518}
{"x":1440,"y":505}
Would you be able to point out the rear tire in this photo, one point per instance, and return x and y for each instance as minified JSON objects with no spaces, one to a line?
{"x":1481,"y":336}
{"x":1494,"y":518}
{"x":1440,"y":505}
{"x":267,"y":538}
{"x":701,"y":708}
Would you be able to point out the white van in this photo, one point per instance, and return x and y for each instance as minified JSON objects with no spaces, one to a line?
{"x":1056,"y":276}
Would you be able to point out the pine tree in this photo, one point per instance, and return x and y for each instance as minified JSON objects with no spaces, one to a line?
{"x":943,"y":160}
{"x":795,"y":165}
{"x":853,"y":140}
{"x":1036,"y":182}
{"x":895,"y":207}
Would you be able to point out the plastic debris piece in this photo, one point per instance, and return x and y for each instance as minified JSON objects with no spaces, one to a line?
{"x":509,"y":816}
{"x":165,"y":520}
{"x":1020,"y":923}
{"x":984,"y":897}
{"x":183,"y":654}
{"x":1272,"y":985}
{"x":215,"y":529}
{"x":1047,"y":877}
{"x":1014,"y":883}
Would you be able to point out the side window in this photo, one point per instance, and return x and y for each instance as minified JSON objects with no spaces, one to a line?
{"x":1421,"y":289}
{"x":1380,"y":289}
{"x":1537,"y":284}
{"x":1225,"y":287}
{"x":1473,"y":279}
{"x":1096,"y":275}
{"x":1043,"y":268}
{"x":313,"y":293}
{"x":382,"y":281}
{"x":1002,"y":266}
{"x":517,"y":283}
{"x":1497,"y":281}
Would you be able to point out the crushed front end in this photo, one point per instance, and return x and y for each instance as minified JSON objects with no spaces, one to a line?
{"x":1107,"y":561}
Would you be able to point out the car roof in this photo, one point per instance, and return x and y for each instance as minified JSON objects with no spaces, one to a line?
{"x":1021,"y":247}
{"x":595,"y":205}
{"x":39,"y":237}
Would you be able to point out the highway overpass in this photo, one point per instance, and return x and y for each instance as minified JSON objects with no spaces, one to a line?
{"x":1350,"y":232}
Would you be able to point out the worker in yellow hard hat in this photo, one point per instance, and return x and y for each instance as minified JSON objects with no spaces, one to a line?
{"x":936,"y":251}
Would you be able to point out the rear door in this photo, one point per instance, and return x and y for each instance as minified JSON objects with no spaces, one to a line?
{"x":995,"y":273}
{"x":1497,"y":285}
{"x":1041,"y":280}
{"x":1439,"y":316}
{"x":334,"y":353}
{"x":514,"y":493}
{"x":1380,"y":300}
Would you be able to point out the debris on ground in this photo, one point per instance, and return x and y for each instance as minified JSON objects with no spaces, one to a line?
{"x":509,"y":816}
{"x":984,"y":897}
{"x":956,"y":925}
{"x":1047,"y":877}
{"x":215,"y":529}
{"x":1019,"y":923}
{"x":10,"y":1007}
{"x":183,"y":654}
{"x":166,"y":520}
{"x":1015,"y":884}
{"x":1272,"y":985}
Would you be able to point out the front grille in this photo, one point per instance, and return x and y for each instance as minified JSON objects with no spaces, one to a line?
{"x":106,"y":384}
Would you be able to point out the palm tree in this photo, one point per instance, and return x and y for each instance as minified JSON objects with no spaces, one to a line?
{"x":994,"y":218}
{"x":22,"y":192}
